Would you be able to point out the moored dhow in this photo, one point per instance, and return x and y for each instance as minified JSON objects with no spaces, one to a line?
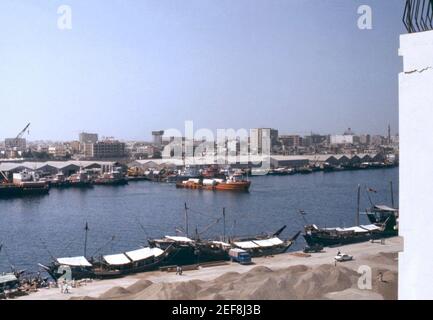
{"x":188,"y":251}
{"x":383,"y":224}
{"x":107,"y":266}
{"x":342,"y":236}
{"x":135,"y":261}
{"x":265,"y":245}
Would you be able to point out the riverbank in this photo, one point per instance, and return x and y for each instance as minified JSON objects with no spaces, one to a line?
{"x":287,"y":276}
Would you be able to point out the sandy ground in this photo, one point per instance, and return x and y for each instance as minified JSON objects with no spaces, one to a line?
{"x":285,"y":276}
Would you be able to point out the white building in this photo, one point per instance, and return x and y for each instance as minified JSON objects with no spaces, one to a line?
{"x":341,"y":139}
{"x":416,"y":114}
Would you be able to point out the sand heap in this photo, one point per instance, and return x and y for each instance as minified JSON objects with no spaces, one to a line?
{"x":297,"y":282}
{"x":325,"y":281}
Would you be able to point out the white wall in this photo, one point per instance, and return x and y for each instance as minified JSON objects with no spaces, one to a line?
{"x":416,"y":163}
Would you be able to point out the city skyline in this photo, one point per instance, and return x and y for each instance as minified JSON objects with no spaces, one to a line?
{"x":124,"y":70}
{"x":149,"y":137}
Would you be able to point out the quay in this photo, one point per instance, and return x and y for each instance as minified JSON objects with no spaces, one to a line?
{"x":380,"y":257}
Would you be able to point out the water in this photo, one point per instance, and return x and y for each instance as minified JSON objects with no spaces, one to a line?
{"x":32,"y":229}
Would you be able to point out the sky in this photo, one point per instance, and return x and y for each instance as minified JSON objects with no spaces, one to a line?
{"x":129,"y":67}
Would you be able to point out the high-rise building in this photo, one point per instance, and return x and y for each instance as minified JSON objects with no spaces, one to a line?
{"x":85,"y":137}
{"x":263,"y":140}
{"x":291,"y":140}
{"x":339,"y":139}
{"x":157,"y":138}
{"x":105,"y":149}
{"x":365,"y":139}
{"x":19,"y":144}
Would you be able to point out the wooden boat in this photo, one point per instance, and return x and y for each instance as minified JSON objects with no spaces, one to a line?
{"x":108,"y":266}
{"x":265,"y":245}
{"x":383,"y":224}
{"x":69,"y":268}
{"x":342,"y":236}
{"x":187,"y":251}
{"x":140,"y":260}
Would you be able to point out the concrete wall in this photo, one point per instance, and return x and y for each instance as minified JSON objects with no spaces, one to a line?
{"x":416,"y":175}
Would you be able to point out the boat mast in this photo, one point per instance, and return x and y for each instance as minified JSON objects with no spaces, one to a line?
{"x":224,"y":224}
{"x":357,"y":208}
{"x":186,"y":220}
{"x":392,"y":194}
{"x":86,"y":228}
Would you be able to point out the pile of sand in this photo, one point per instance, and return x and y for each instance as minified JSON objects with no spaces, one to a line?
{"x":297,"y":282}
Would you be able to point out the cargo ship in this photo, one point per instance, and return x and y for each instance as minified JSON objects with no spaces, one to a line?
{"x":235,"y":182}
{"x":113,"y":177}
{"x":80,"y":180}
{"x":23,"y":185}
{"x":59,"y":181}
{"x":30,"y":188}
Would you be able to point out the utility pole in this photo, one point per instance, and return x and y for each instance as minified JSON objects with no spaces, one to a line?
{"x":224,"y":224}
{"x":186,"y":220}
{"x":357,"y":210}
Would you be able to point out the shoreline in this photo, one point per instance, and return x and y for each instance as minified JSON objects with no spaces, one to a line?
{"x":366,"y":253}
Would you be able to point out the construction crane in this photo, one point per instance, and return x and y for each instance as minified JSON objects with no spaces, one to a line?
{"x":19,"y":135}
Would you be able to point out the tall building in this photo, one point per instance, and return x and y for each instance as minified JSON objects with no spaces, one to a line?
{"x":15,"y":143}
{"x":291,"y":140}
{"x":105,"y":149}
{"x":337,"y":139}
{"x":157,"y":138}
{"x":259,"y":136}
{"x":365,"y":139}
{"x":389,"y":134}
{"x":85,"y":137}
{"x":314,"y":140}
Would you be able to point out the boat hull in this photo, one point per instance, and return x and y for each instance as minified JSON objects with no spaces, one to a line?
{"x":233,"y":186}
{"x":109,"y":182}
{"x":327,"y":241}
{"x":10,"y":191}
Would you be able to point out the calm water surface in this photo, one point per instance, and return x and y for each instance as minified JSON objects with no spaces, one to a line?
{"x":32,"y":229}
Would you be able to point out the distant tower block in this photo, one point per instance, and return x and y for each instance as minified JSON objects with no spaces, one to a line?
{"x":157,"y":137}
{"x":389,"y":134}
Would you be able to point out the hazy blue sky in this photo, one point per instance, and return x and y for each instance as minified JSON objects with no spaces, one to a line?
{"x":129,"y":67}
